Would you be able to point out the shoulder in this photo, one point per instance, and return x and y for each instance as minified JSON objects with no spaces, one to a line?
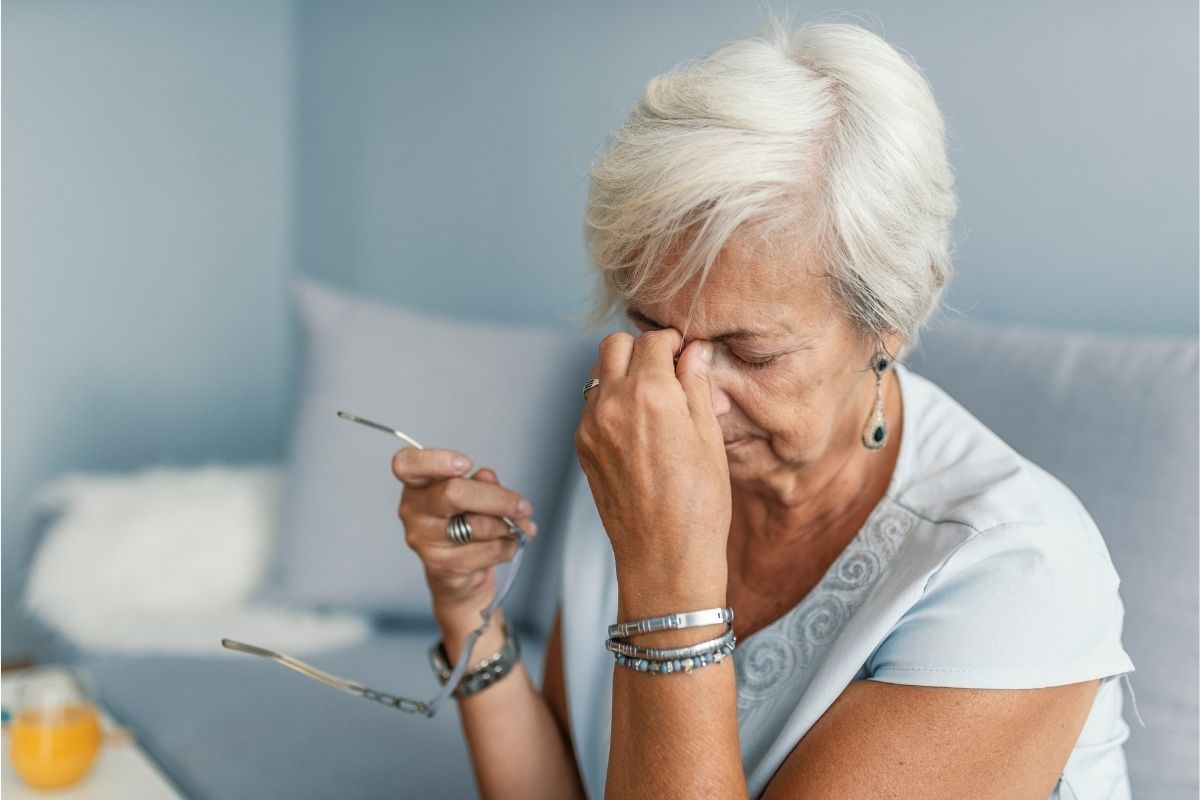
{"x":959,"y":473}
{"x":1014,"y":606}
{"x":1009,"y":582}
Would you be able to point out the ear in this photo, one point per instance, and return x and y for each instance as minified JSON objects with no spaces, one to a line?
{"x":890,"y":342}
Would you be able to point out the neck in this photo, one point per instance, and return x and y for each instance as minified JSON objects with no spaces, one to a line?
{"x":817,"y":507}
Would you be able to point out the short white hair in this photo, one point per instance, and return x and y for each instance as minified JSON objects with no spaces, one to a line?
{"x":826,"y":129}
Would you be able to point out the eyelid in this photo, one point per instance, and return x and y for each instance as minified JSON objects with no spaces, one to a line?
{"x":760,"y":361}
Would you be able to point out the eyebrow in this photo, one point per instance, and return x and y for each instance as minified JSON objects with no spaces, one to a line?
{"x":735,"y":336}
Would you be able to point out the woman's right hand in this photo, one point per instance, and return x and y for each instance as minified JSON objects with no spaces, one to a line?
{"x":461,"y":577}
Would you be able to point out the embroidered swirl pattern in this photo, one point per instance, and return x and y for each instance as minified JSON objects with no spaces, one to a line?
{"x":785,"y":653}
{"x":820,"y":622}
{"x":773,"y":660}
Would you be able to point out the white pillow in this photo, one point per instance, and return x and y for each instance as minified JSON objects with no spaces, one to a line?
{"x":164,"y":561}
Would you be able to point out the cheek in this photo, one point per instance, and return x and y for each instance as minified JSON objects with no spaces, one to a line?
{"x":777,"y":404}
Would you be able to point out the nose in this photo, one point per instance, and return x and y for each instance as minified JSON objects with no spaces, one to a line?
{"x":720,"y":400}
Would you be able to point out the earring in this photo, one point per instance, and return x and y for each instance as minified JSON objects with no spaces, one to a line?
{"x":875,"y":432}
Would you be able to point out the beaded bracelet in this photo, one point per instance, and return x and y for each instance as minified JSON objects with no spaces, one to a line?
{"x":665,"y":667}
{"x":672,"y":653}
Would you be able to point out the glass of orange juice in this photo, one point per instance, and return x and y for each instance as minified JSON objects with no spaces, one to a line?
{"x":55,"y":731}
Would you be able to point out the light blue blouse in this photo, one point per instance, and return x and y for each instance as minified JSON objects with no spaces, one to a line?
{"x":976,"y":569}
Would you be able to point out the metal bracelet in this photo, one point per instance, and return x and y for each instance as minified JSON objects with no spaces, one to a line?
{"x":670,"y":622}
{"x":485,"y":673}
{"x":671,"y":653}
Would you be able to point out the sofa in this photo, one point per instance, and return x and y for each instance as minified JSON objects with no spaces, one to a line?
{"x":1114,"y":417}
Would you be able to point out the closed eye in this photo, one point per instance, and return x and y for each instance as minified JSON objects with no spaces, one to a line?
{"x":643,"y":324}
{"x":751,"y":364}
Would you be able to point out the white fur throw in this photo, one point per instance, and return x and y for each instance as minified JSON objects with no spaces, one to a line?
{"x":166,"y":561}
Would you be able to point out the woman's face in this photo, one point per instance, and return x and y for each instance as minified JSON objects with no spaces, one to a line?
{"x":791,"y":379}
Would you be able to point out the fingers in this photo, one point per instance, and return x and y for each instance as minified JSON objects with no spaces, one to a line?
{"x":418,"y":468}
{"x":486,"y":475}
{"x":484,"y":527}
{"x":621,"y":354}
{"x":468,"y":495}
{"x":464,"y":559}
{"x":654,"y":352}
{"x":693,"y":372}
{"x":526,"y":523}
{"x":482,"y":502}
{"x":425,"y":511}
{"x":615,"y":350}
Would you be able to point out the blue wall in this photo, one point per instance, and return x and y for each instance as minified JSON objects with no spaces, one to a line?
{"x":444,"y":146}
{"x":147,"y":187}
{"x":170,"y":164}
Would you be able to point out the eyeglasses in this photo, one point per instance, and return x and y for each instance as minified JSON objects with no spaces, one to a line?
{"x":425,"y":708}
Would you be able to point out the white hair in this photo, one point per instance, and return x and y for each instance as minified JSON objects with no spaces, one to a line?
{"x":826,"y":129}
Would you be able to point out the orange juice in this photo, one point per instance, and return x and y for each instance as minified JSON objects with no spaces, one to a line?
{"x":54,"y":747}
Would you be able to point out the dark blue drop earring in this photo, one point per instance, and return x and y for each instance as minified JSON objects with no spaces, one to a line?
{"x":875,"y":432}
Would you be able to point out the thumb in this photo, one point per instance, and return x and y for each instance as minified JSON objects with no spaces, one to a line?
{"x":692,"y":371}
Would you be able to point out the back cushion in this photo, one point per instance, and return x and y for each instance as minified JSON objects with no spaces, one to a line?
{"x":507,"y":396}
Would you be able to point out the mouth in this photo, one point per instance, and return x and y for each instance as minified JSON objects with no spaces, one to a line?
{"x":733,"y":444}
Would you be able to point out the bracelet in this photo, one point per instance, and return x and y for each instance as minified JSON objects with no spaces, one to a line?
{"x":685,"y":619}
{"x":670,"y":654}
{"x":486,"y":673}
{"x":665,"y":667}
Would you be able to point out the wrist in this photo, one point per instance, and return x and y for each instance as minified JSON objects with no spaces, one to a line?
{"x":457,"y":625}
{"x":644,"y":593}
{"x":673,"y":581}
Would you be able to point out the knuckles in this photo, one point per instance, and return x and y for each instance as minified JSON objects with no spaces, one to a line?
{"x":651,"y":395}
{"x":614,"y":340}
{"x":400,"y":463}
{"x":663,"y":334}
{"x":452,"y":491}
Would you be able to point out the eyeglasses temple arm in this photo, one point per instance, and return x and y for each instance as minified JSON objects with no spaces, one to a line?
{"x":327,"y":678}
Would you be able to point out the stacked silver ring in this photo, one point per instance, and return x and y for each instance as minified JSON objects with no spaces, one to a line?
{"x":458,"y":530}
{"x":591,"y":384}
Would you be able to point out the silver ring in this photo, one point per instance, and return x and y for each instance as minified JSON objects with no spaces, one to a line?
{"x":458,"y":530}
{"x":591,"y":384}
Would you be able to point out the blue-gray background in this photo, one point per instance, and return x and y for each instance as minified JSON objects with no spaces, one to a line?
{"x":170,"y":165}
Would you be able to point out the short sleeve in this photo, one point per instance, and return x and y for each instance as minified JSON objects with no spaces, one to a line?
{"x":1015,"y":606}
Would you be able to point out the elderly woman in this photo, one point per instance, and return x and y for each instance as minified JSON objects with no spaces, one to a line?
{"x":879,"y":597}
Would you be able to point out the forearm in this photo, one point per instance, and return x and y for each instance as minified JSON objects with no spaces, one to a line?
{"x":516,"y":747}
{"x":673,"y":735}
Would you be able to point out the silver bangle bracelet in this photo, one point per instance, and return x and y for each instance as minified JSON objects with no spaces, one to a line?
{"x":670,"y":622}
{"x":670,"y":654}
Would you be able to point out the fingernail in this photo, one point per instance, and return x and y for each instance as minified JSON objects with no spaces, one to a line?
{"x":523,"y":507}
{"x":706,"y":352}
{"x":460,"y":463}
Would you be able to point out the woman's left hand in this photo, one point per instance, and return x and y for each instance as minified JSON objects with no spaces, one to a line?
{"x":652,"y":449}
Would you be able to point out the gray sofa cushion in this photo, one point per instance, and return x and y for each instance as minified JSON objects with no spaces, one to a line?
{"x":233,"y":728}
{"x":507,"y":396}
{"x":1114,"y":418}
